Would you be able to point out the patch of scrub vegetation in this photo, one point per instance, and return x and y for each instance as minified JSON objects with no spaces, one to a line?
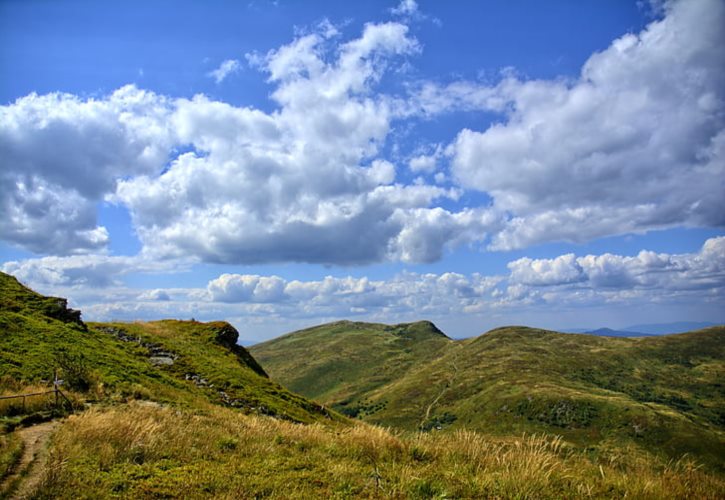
{"x":559,"y":413}
{"x":359,"y":409}
{"x":438,"y":422}
{"x":151,"y":451}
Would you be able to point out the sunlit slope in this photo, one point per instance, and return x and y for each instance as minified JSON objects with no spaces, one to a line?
{"x":663,"y":393}
{"x":146,"y":451}
{"x":344,"y":361}
{"x":181,"y":362}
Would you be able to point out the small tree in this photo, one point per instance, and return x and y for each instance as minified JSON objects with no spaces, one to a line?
{"x":75,"y":371}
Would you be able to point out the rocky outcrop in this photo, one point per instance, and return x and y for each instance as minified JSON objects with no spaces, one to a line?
{"x":158,"y":356}
{"x":226,"y":335}
{"x":57,"y":308}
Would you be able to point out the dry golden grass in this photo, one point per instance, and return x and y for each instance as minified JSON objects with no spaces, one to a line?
{"x":27,"y":405}
{"x":11,"y":447}
{"x":149,"y":451}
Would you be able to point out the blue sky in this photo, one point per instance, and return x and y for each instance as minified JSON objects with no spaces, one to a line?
{"x":280,"y":164}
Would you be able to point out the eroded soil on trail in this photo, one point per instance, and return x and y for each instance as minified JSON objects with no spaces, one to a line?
{"x":29,"y":469}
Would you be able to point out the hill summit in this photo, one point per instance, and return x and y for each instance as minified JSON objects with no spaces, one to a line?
{"x":661,"y":393}
{"x":18,"y":298}
{"x":345,"y":360}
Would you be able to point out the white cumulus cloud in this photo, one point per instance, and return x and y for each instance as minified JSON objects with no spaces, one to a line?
{"x":226,"y":68}
{"x":647,"y":274}
{"x":637,"y":142}
{"x":62,"y":155}
{"x":555,"y":286}
{"x":305,"y":183}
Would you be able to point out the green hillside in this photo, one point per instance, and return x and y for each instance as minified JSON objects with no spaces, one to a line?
{"x":182,"y":362}
{"x":175,"y":409}
{"x":344,"y":361}
{"x":663,"y":394}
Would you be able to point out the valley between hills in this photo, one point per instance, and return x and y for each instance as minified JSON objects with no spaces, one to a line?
{"x":176,"y":409}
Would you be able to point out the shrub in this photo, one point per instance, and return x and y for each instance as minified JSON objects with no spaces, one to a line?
{"x":75,"y":371}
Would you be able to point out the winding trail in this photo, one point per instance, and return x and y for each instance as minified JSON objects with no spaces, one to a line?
{"x":28,"y":471}
{"x":448,"y":385}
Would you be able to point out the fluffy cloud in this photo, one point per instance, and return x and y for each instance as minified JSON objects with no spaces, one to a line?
{"x":405,"y":8}
{"x":426,"y":163}
{"x":544,"y":272}
{"x":247,"y":288}
{"x":61,"y":155}
{"x":549,"y":286}
{"x":95,"y":271}
{"x":301,"y":184}
{"x":647,"y":274}
{"x":407,"y":293}
{"x":304,"y":183}
{"x":226,"y":68}
{"x":567,"y":279}
{"x":157,"y":294}
{"x":636,"y":142}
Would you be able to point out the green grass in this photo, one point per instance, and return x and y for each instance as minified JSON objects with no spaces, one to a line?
{"x":612,"y":417}
{"x":97,"y":364}
{"x":11,"y":448}
{"x":341,"y":362}
{"x":662,"y":394}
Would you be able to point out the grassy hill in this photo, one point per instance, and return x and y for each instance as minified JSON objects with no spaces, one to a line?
{"x":175,"y":409}
{"x":343,"y":361}
{"x":184,"y":362}
{"x":663,"y":394}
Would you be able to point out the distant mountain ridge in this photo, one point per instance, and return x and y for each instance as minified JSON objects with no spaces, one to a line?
{"x":608,"y":332}
{"x":644,"y":330}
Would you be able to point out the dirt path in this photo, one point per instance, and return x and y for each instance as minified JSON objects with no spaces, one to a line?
{"x":35,"y":451}
{"x":447,"y":386}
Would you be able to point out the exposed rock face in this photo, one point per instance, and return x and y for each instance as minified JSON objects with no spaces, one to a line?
{"x":161,"y":360}
{"x":226,"y":335}
{"x":57,"y":308}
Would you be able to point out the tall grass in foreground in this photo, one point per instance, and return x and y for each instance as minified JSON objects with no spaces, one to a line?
{"x":11,"y":447}
{"x":39,"y":401}
{"x":146,"y":451}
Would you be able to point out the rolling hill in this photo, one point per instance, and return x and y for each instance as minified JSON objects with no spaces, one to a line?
{"x":184,"y":362}
{"x":660,"y":393}
{"x":176,"y":409}
{"x":345,"y":360}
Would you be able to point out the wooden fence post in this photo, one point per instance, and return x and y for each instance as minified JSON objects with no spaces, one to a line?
{"x":55,"y":386}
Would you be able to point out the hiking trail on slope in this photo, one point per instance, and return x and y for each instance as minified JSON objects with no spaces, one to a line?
{"x":28,"y":471}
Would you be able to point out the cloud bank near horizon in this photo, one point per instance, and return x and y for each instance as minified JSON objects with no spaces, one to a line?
{"x":565,"y":281}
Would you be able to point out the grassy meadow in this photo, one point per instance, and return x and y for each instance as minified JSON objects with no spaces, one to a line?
{"x":149,"y":451}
